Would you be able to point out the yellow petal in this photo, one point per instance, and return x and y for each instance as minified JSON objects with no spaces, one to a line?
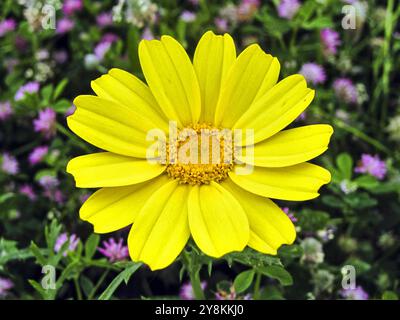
{"x":217,"y":221}
{"x":129,"y":91}
{"x":172,"y":79}
{"x":290,"y":147}
{"x":253,"y":74}
{"x":111,"y":209}
{"x":213,"y":58}
{"x":277,"y":108}
{"x":110,"y":126}
{"x":298,"y":182}
{"x":106,"y":169}
{"x":161,"y":229}
{"x":270,"y":227}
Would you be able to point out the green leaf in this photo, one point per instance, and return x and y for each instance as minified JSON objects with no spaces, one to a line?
{"x":38,"y":254}
{"x":123,"y":276}
{"x":243,"y":281}
{"x":91,"y":245}
{"x":345,"y":164}
{"x":367,"y":182}
{"x":60,"y":88}
{"x":46,"y":93}
{"x":278,"y":273}
{"x":389,"y":295}
{"x":4,"y":197}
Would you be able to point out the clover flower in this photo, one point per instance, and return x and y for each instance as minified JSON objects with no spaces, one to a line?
{"x":358,"y":293}
{"x":9,"y":164}
{"x":313,"y":72}
{"x":186,"y":291}
{"x":5,"y":110}
{"x":29,"y":87}
{"x":38,"y":154}
{"x":287,"y":9}
{"x":113,"y":250}
{"x":73,"y":241}
{"x":372,"y":165}
{"x":345,"y":90}
{"x":45,"y":123}
{"x":330,"y":41}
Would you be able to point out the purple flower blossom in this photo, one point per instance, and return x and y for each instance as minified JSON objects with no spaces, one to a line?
{"x":29,"y":87}
{"x":5,"y":110}
{"x":147,"y":34}
{"x":345,"y":90}
{"x":186,"y":291}
{"x":289,"y":214}
{"x":60,"y":56}
{"x":48,"y":182}
{"x":114,"y":251}
{"x":54,"y":195}
{"x":70,"y":111}
{"x":313,"y":72}
{"x":104,"y":45}
{"x":188,"y":16}
{"x":46,"y":122}
{"x":9,"y":164}
{"x":38,"y":154}
{"x":221,"y":24}
{"x":6,"y":26}
{"x":27,"y":191}
{"x":357,"y":293}
{"x":330,"y":41}
{"x":63,"y":238}
{"x":5,"y":285}
{"x":71,"y":6}
{"x":246,"y":9}
{"x":288,"y":8}
{"x":372,"y":165}
{"x":84,"y":197}
{"x":104,"y":19}
{"x":64,"y":25}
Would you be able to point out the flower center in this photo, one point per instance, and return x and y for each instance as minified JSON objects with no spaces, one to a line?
{"x":200,"y":154}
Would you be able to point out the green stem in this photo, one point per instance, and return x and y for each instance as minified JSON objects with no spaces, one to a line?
{"x":196,"y":285}
{"x":72,"y":138}
{"x":78,"y":289}
{"x":98,"y":284}
{"x":256,"y":293}
{"x":362,"y":136}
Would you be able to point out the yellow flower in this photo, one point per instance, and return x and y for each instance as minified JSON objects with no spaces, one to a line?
{"x":168,"y":202}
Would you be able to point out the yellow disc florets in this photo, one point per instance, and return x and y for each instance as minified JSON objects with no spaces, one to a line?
{"x":200,"y":154}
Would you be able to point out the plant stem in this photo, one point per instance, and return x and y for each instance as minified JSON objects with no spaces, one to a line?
{"x":73,"y":139}
{"x":256,"y":293}
{"x":196,"y":285}
{"x":78,"y":289}
{"x":98,"y":284}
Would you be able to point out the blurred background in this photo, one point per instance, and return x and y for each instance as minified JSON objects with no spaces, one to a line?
{"x":347,"y":50}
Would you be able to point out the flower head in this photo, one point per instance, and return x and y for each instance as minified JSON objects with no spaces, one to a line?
{"x":64,"y":25}
{"x":247,"y":9}
{"x":30,"y":87}
{"x":288,"y":8}
{"x":221,"y":24}
{"x":191,"y":187}
{"x":46,"y":122}
{"x":113,"y":250}
{"x":27,"y":190}
{"x":7,"y":26}
{"x":104,"y":19}
{"x":147,"y":34}
{"x":38,"y":154}
{"x":289,"y":214}
{"x":330,"y":41}
{"x":358,"y":293}
{"x":5,"y":286}
{"x":186,"y":291}
{"x":372,"y":165}
{"x":9,"y":164}
{"x":73,"y":241}
{"x":48,"y":182}
{"x":345,"y":90}
{"x":188,"y":16}
{"x":5,"y":110}
{"x":313,"y":72}
{"x":72,"y":6}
